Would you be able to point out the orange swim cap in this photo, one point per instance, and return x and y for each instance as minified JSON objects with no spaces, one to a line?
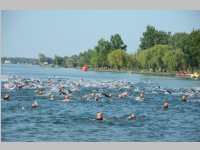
{"x":184,"y":98}
{"x":34,"y":105}
{"x":67,"y":97}
{"x":6,"y":96}
{"x":132,"y":116}
{"x":99,"y":116}
{"x":166,"y":105}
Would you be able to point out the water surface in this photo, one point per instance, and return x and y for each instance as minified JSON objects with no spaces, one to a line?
{"x":75,"y":121}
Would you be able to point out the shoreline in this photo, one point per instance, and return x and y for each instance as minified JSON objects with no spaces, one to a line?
{"x":144,"y":72}
{"x":135,"y":72}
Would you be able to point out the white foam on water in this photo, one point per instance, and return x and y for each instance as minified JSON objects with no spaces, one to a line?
{"x":4,"y":78}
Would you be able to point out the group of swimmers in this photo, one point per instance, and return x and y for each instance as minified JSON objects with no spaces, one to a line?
{"x":99,"y":114}
{"x":53,"y":87}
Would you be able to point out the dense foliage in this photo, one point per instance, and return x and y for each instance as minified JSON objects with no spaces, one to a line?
{"x":158,"y":51}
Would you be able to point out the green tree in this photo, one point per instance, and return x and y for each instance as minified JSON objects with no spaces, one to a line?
{"x":153,"y":37}
{"x":59,"y":61}
{"x":191,"y":48}
{"x":174,"y":60}
{"x":178,"y":39}
{"x":102,"y":49}
{"x":117,"y":42}
{"x":42,"y":58}
{"x":131,"y":61}
{"x":151,"y":58}
{"x":49,"y":60}
{"x":68,"y":61}
{"x":117,"y":58}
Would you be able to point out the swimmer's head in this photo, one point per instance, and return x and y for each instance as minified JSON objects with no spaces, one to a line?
{"x":132,"y":116}
{"x":184,"y":98}
{"x":166,"y":105}
{"x":52,"y":96}
{"x":96,"y":98}
{"x":34,"y":105}
{"x":6,"y":96}
{"x":67,"y":97}
{"x":120,"y":95}
{"x":99,"y":116}
{"x":110,"y":94}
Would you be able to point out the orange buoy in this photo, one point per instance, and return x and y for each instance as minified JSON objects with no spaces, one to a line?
{"x":184,"y":98}
{"x":166,"y":105}
{"x":84,"y":68}
{"x":99,"y":116}
{"x":6,"y":96}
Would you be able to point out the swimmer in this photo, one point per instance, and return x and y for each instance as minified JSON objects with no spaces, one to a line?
{"x":107,"y":95}
{"x":6,"y":96}
{"x":166,"y":105}
{"x":142,"y":95}
{"x":52,"y":96}
{"x":120,"y":88}
{"x":85,"y":97}
{"x":36,"y":91}
{"x":184,"y":98}
{"x":66,"y":98}
{"x":39,"y":92}
{"x":132,"y":116}
{"x":99,"y":116}
{"x":125,"y":94}
{"x":168,"y":91}
{"x":96,"y":98}
{"x":34,"y":105}
{"x":120,"y":95}
{"x":62,"y":90}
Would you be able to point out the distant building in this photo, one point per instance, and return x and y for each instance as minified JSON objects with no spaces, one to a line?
{"x":7,"y":62}
{"x":45,"y":63}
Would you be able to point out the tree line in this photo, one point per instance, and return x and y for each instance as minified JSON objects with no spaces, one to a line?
{"x":158,"y":51}
{"x":17,"y":60}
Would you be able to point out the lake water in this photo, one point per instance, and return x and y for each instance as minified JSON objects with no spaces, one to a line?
{"x":55,"y":120}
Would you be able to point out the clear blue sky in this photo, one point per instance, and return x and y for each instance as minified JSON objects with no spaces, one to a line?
{"x":67,"y":32}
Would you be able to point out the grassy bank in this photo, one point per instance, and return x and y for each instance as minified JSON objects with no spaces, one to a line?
{"x":135,"y":71}
{"x":123,"y":70}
